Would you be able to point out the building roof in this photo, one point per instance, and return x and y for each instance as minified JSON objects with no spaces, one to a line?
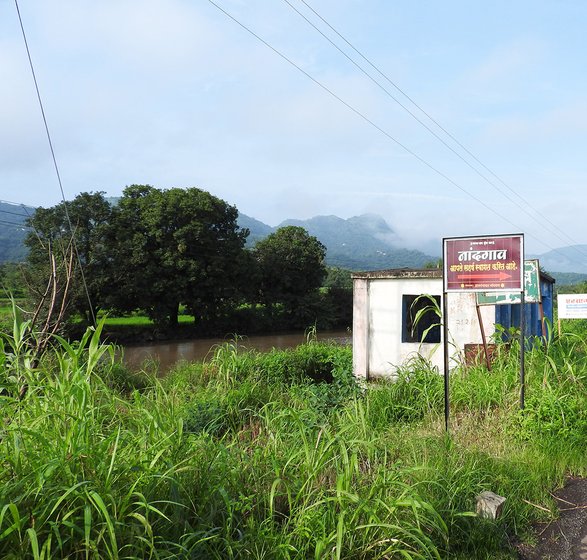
{"x":545,"y":276}
{"x":415,"y":273}
{"x":400,"y":273}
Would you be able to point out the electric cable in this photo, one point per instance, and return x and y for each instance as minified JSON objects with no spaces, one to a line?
{"x":373,"y":124}
{"x":83,"y":277}
{"x":17,"y":225}
{"x":13,"y":213}
{"x":523,"y":207}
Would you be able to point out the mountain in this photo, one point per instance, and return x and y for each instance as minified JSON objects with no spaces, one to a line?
{"x":363,"y":242}
{"x":566,"y":259}
{"x":257,"y":230}
{"x":13,"y":231}
{"x":367,"y":232}
{"x":367,"y":242}
{"x":568,"y":278}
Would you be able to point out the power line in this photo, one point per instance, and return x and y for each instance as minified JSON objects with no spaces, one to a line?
{"x":523,"y":207}
{"x":20,"y":226}
{"x":13,"y":203}
{"x":20,"y":205}
{"x":13,"y":213}
{"x":372,"y":123}
{"x":83,"y":277}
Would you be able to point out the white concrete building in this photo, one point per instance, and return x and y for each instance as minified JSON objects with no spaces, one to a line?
{"x":385,"y":304}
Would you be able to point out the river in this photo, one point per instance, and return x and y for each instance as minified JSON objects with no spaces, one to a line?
{"x":166,"y":354}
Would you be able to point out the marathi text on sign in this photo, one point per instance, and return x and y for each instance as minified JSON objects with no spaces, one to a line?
{"x":531,"y":289}
{"x":483,"y":255}
{"x":484,"y":263}
{"x":572,"y":306}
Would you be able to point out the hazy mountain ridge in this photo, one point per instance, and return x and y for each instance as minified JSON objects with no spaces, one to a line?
{"x":13,"y":231}
{"x":565,"y":259}
{"x":365,"y":242}
{"x":568,"y":278}
{"x":257,"y":229}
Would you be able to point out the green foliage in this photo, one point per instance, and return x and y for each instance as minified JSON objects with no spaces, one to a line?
{"x":437,"y":263}
{"x":416,"y":392}
{"x":157,"y":251}
{"x":291,"y":267}
{"x":277,"y":455}
{"x":557,"y":416}
{"x":338,"y":278}
{"x":319,"y":362}
{"x":555,"y":406}
{"x":89,"y":216}
{"x":172,"y":247}
{"x":12,"y":280}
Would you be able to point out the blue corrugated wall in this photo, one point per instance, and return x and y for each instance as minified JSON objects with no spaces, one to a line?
{"x":509,"y":315}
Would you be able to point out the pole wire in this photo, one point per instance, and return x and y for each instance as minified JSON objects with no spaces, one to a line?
{"x":56,"y":167}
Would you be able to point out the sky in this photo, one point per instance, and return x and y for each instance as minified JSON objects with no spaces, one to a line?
{"x":175,"y":93}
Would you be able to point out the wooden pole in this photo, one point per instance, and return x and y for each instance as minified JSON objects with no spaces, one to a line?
{"x":544,"y":333}
{"x":483,"y":337}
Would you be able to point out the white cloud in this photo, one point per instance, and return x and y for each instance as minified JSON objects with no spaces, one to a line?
{"x":173,"y":93}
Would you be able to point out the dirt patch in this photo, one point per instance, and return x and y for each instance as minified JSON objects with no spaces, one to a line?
{"x":566,"y":537}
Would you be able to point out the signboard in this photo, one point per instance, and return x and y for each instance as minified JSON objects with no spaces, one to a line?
{"x":481,"y":264}
{"x":531,"y":289}
{"x":572,"y":306}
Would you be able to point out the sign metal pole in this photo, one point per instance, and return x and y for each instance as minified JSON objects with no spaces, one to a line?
{"x":446,"y":360}
{"x":493,"y":263}
{"x":522,"y":351}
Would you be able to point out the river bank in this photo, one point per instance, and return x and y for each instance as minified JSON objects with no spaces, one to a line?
{"x":281,"y":452}
{"x":168,"y":353}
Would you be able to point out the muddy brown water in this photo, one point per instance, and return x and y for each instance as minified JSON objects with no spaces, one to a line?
{"x":168,"y":353}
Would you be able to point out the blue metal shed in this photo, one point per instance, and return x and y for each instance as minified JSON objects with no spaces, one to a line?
{"x":509,"y":315}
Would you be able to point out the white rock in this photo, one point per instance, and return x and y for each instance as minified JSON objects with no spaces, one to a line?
{"x":489,"y":505}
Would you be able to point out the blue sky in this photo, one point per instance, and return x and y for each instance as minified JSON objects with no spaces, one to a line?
{"x":174,"y":93}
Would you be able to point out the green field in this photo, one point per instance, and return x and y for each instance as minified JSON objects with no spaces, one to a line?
{"x":279,"y":455}
{"x":6,"y":305}
{"x":142,"y":321}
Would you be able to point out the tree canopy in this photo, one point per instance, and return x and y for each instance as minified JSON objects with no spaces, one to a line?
{"x":291,"y":267}
{"x":52,"y":230}
{"x":158,"y":250}
{"x":172,"y":247}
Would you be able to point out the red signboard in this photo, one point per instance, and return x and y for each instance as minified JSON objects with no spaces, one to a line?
{"x":480,"y":264}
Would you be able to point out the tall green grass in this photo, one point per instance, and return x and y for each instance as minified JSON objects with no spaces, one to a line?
{"x":277,"y":455}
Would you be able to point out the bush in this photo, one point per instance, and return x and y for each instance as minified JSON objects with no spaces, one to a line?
{"x":416,"y":392}
{"x":276,"y":455}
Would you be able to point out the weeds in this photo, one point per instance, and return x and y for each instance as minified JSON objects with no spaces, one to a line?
{"x":278,"y":455}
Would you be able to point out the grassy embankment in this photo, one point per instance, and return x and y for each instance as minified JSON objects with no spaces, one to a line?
{"x":6,"y":306}
{"x":278,"y":455}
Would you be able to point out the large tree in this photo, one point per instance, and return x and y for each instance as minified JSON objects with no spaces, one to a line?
{"x":72,"y":236}
{"x":172,"y":247}
{"x":291,"y":268}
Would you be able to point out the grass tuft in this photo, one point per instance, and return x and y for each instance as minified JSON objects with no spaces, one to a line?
{"x":277,"y":455}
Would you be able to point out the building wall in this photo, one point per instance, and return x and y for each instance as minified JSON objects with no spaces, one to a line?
{"x":463,"y":324}
{"x":360,"y":327}
{"x":378,"y":349}
{"x":386,"y":349}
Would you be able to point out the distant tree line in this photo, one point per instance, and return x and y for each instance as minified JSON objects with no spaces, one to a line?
{"x":161,"y":251}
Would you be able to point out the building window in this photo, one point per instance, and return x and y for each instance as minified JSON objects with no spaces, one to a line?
{"x":420,"y":320}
